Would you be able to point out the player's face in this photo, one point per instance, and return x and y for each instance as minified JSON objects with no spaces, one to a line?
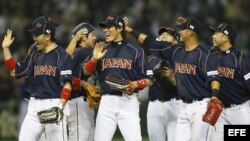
{"x":165,"y":36}
{"x":91,"y":40}
{"x":218,"y":39}
{"x":112,"y":34}
{"x":184,"y":35}
{"x":41,"y":41}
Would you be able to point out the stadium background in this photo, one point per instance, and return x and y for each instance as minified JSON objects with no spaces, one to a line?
{"x":144,"y":15}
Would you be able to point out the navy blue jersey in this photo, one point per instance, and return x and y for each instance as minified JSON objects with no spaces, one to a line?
{"x":49,"y":72}
{"x":80,"y":56}
{"x":22,"y":67}
{"x":234,"y":71}
{"x":190,"y":73}
{"x":161,"y":88}
{"x":152,"y":43}
{"x":122,"y":63}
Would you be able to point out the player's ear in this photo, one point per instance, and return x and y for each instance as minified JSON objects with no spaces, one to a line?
{"x":120,"y":29}
{"x":48,"y":36}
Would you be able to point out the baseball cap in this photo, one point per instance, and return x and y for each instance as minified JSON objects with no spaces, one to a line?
{"x":113,"y":21}
{"x":191,"y":24}
{"x":226,"y":29}
{"x":43,"y":25}
{"x":169,"y":30}
{"x":80,"y":26}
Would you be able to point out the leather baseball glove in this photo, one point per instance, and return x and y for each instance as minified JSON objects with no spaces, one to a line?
{"x":213,"y":112}
{"x":93,"y":95}
{"x":51,"y":115}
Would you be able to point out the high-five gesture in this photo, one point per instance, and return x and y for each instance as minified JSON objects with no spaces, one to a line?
{"x":8,"y":39}
{"x":99,"y":51}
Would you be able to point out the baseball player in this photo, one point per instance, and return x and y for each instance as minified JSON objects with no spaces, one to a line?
{"x":188,"y":60}
{"x":51,"y":72}
{"x":234,"y":70}
{"x":162,"y":94}
{"x":81,"y":119}
{"x":118,"y":63}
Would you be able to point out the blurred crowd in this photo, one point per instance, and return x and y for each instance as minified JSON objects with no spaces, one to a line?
{"x":144,"y":15}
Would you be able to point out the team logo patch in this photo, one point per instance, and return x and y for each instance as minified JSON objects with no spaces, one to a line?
{"x":185,"y":68}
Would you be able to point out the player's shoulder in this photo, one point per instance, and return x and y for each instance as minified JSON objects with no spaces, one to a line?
{"x":61,"y":51}
{"x":134,"y":46}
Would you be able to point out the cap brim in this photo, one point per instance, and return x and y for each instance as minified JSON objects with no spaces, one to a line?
{"x":34,"y":31}
{"x":104,"y":24}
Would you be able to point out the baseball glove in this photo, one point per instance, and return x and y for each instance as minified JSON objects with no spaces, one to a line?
{"x":93,"y":95}
{"x":213,"y":112}
{"x":51,"y":115}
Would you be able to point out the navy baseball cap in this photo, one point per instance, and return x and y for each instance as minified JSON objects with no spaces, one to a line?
{"x":169,"y":30}
{"x":80,"y":26}
{"x":191,"y":24}
{"x":43,"y":25}
{"x":113,"y":21}
{"x":226,"y":29}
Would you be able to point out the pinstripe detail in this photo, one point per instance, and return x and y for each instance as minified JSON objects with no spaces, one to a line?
{"x":77,"y":122}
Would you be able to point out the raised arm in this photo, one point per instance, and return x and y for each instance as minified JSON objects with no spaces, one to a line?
{"x":138,"y":35}
{"x":75,"y":40}
{"x":98,"y":52}
{"x":9,"y":60}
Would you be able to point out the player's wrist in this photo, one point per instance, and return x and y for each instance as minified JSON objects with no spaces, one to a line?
{"x":215,"y":93}
{"x":65,"y":94}
{"x":10,"y":64}
{"x":135,"y":33}
{"x":141,"y":83}
{"x":90,"y":66}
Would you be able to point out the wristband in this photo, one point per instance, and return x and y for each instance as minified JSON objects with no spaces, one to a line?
{"x":90,"y":66}
{"x":75,"y":83}
{"x":10,"y":64}
{"x":215,"y":92}
{"x":66,"y":93}
{"x":141,"y":83}
{"x":135,"y":33}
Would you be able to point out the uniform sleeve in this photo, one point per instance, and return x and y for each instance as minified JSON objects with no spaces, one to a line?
{"x":142,"y":66}
{"x":245,"y":67}
{"x":24,"y":67}
{"x":66,"y":70}
{"x":211,"y":66}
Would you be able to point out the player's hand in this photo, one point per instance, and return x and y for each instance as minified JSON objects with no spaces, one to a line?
{"x":8,"y":39}
{"x":131,"y":87}
{"x":127,"y":27}
{"x":80,"y":34}
{"x":169,"y":74}
{"x":99,"y":51}
{"x":166,"y":71}
{"x":125,"y":19}
{"x":181,"y":20}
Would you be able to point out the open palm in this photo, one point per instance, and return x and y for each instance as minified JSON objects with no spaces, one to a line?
{"x":8,"y":39}
{"x":99,"y":50}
